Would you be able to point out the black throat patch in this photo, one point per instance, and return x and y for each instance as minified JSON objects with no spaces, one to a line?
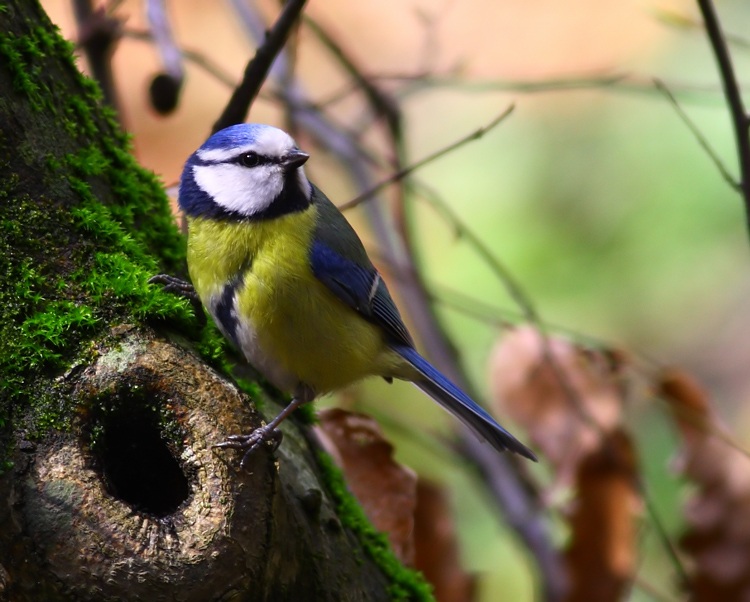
{"x":291,"y":199}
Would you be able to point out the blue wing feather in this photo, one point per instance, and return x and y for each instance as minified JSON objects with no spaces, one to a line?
{"x":348,"y":281}
{"x":361,"y":288}
{"x":340,"y":262}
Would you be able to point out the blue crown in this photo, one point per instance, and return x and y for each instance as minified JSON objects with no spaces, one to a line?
{"x":241,"y":134}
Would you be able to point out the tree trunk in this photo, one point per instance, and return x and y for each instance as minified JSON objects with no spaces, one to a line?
{"x":109,"y":487}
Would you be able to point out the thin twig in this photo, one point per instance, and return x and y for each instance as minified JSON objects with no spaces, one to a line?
{"x":257,"y":69}
{"x":733,"y":96}
{"x":98,"y":33}
{"x":650,"y":589}
{"x":194,"y":56}
{"x":255,"y":26}
{"x":503,"y":274}
{"x":700,"y":138}
{"x":677,"y":19}
{"x":665,"y":540}
{"x":520,"y":503}
{"x":381,"y":103}
{"x":697,"y":420}
{"x":401,"y":174}
{"x":517,"y":502}
{"x":620,"y":83}
{"x":161,"y":29}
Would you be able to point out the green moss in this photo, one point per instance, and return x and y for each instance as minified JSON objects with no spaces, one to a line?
{"x":81,"y":231}
{"x":12,"y":50}
{"x":306,"y":414}
{"x":117,"y":279}
{"x":45,"y":332}
{"x":101,"y":156}
{"x":82,"y":228}
{"x":252,"y":389}
{"x":406,"y":584}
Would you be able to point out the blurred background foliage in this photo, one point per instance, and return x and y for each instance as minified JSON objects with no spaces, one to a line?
{"x":593,"y":193}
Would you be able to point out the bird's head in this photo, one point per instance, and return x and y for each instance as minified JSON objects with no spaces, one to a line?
{"x":245,"y":171}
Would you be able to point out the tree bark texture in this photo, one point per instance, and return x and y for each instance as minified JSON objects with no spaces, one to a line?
{"x":109,"y":487}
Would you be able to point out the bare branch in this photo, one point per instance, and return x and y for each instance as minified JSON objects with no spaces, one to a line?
{"x":194,"y":56}
{"x":517,"y":500}
{"x":665,"y":540}
{"x":98,"y":33}
{"x":399,"y":175}
{"x":681,"y":20}
{"x":704,"y":144}
{"x":500,"y":271}
{"x":381,"y":103}
{"x":161,"y":30}
{"x":165,"y":87}
{"x":257,"y":69}
{"x":622,"y":83}
{"x":732,"y":93}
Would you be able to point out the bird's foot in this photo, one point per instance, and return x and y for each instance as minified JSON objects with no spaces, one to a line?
{"x":172,"y":284}
{"x":269,"y":434}
{"x":180,"y":287}
{"x":252,"y":442}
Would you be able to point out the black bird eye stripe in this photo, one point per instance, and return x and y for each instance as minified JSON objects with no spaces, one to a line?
{"x":262,"y":159}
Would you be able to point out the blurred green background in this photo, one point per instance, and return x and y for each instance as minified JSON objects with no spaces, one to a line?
{"x":596,"y":197}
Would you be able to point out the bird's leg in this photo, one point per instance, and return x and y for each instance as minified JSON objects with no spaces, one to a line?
{"x":180,"y":287}
{"x":269,"y":433}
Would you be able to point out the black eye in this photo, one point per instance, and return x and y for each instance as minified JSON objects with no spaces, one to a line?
{"x":249,"y":160}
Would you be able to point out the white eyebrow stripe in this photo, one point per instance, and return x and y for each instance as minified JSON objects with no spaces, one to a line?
{"x":217,"y":155}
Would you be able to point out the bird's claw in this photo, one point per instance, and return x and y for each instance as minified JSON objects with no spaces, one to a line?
{"x":172,"y":284}
{"x":252,"y":442}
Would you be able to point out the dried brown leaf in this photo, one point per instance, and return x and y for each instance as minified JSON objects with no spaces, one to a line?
{"x":601,"y":558}
{"x":718,"y":513}
{"x":437,"y":547}
{"x":568,"y":398}
{"x":387,"y":490}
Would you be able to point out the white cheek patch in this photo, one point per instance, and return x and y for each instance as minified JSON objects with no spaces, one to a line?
{"x":239,"y":189}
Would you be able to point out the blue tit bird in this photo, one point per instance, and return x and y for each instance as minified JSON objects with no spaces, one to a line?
{"x":289,"y":283}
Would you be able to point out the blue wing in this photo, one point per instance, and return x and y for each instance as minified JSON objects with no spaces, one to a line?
{"x":361,"y":288}
{"x":340,"y":262}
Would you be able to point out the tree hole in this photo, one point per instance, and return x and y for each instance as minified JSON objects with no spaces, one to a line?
{"x":137,"y":466}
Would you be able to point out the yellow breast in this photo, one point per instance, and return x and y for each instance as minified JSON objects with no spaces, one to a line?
{"x":292,"y":328}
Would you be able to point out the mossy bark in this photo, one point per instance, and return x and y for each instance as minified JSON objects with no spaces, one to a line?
{"x":109,"y":487}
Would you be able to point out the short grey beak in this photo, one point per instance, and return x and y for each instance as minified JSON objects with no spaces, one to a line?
{"x":294,"y":158}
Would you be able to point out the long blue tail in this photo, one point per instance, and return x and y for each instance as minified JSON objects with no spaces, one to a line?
{"x":461,"y":405}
